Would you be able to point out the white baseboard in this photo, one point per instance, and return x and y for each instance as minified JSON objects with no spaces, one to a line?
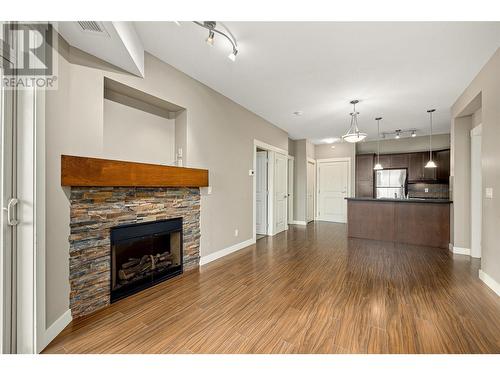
{"x":459,"y":250}
{"x":298,"y":222}
{"x":228,"y":250}
{"x":55,"y":329}
{"x":490,"y":282}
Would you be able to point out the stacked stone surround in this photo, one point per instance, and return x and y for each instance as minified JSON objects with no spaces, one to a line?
{"x":95,"y":210}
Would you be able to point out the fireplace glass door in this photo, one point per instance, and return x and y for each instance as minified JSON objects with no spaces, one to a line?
{"x":143,"y":255}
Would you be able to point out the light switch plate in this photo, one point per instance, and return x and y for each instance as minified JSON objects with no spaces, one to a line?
{"x":488,"y":193}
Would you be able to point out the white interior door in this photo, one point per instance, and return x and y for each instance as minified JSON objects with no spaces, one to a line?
{"x":311,"y":177}
{"x":280,"y":184}
{"x":333,"y":182}
{"x":261,"y":192}
{"x":290,"y":190}
{"x":476,"y":192}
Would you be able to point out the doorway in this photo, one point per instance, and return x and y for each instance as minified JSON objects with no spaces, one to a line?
{"x":261,"y":193}
{"x":270,"y":192}
{"x":333,"y":188}
{"x":476,"y":202}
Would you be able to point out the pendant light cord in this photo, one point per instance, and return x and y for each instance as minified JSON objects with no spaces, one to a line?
{"x":378,"y":141}
{"x":430,"y":138}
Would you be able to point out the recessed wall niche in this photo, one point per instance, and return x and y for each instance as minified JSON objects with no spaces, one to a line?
{"x":140,"y":127}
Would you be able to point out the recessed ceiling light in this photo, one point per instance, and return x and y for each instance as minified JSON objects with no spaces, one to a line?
{"x":332,"y":147}
{"x":298,"y":113}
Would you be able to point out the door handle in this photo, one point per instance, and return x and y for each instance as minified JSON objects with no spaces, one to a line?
{"x":10,"y":212}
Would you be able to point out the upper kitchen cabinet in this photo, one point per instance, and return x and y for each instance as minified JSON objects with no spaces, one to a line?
{"x":415,"y":166}
{"x":364,"y":175}
{"x":443,"y":165}
{"x":418,"y":173}
{"x":399,"y":161}
{"x":385,"y":161}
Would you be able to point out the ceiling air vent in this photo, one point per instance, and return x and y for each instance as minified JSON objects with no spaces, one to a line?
{"x":93,"y":27}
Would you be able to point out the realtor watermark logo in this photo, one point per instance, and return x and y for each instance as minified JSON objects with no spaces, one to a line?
{"x":28,"y":56}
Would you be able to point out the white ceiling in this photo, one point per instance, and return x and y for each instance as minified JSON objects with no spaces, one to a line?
{"x":396,"y":70}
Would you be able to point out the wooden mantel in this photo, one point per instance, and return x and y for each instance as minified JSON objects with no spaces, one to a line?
{"x":84,"y":171}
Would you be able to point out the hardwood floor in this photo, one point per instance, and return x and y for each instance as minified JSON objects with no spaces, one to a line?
{"x":308,"y":290}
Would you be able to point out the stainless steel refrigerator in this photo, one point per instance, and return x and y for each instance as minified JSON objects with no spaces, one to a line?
{"x":390,"y":183}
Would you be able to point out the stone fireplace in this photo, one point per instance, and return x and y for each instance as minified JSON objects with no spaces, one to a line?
{"x":132,"y":225}
{"x":95,"y":211}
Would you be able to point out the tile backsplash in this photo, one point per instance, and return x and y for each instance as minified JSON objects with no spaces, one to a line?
{"x":423,"y":190}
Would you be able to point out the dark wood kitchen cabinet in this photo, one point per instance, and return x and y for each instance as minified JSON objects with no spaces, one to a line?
{"x":415,"y":163}
{"x":443,"y":166}
{"x":364,"y":175}
{"x":385,"y":161}
{"x":418,"y":173}
{"x":399,"y":161}
{"x":415,"y":166}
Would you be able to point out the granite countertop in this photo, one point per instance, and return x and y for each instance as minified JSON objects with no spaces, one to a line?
{"x":410,"y":200}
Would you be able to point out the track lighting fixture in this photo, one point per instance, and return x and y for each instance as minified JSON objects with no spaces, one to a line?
{"x":211,"y":26}
{"x":399,"y":133}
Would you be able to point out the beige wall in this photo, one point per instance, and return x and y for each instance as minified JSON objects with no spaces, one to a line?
{"x":486,"y":87}
{"x":388,"y":146}
{"x":341,"y":150}
{"x":132,"y":134}
{"x":460,"y":178}
{"x":219,"y":137}
{"x":291,"y":147}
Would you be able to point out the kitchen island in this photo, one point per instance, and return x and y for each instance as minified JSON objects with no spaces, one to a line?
{"x":424,"y":222}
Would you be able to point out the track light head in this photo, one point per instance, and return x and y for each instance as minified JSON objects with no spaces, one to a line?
{"x":210,"y":39}
{"x":232,"y":55}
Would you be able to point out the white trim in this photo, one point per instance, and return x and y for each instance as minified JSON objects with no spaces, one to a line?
{"x":298,"y":222}
{"x":291,"y":188}
{"x":459,"y":250}
{"x":315,"y":188}
{"x":55,"y":328}
{"x":269,"y":147}
{"x":347,"y":158}
{"x":349,"y":161}
{"x":490,"y":282}
{"x":477,"y":130}
{"x":228,"y":250}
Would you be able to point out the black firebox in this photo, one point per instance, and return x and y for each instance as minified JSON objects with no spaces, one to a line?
{"x":143,"y":255}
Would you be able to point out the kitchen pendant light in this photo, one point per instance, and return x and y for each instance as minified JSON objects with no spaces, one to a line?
{"x":378,"y":166}
{"x":430,"y":163}
{"x":353,"y":135}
